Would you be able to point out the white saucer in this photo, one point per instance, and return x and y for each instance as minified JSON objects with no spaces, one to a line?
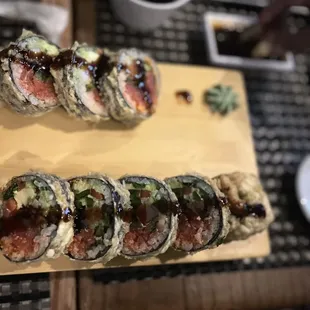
{"x":303,"y":186}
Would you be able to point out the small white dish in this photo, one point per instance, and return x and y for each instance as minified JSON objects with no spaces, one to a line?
{"x":211,"y":19}
{"x":142,"y":15}
{"x":303,"y":186}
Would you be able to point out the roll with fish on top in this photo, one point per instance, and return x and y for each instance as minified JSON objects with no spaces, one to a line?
{"x":75,"y":72}
{"x":203,"y":221}
{"x":152,"y":219}
{"x":98,"y":228}
{"x":130,"y":86}
{"x":251,"y":212}
{"x":26,"y":84}
{"x":36,"y":219}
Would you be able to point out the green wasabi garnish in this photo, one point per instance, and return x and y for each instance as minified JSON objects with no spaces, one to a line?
{"x":221,"y":99}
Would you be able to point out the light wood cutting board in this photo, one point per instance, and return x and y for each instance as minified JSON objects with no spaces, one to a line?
{"x":179,"y":138}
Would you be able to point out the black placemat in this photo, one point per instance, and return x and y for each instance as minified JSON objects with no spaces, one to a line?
{"x":280,"y":116}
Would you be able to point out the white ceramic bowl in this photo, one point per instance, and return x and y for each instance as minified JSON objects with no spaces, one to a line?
{"x":303,"y":187}
{"x":142,"y":15}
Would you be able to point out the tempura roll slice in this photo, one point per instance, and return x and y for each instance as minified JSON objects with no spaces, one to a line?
{"x":153,"y":218}
{"x":26,"y":83}
{"x":250,"y":209}
{"x":203,"y":221}
{"x":130,"y":86}
{"x":75,"y":74}
{"x":35,"y":217}
{"x":98,"y":228}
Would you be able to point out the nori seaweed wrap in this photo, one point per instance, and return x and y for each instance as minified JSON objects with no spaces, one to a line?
{"x":98,"y":228}
{"x":153,"y":218}
{"x":130,"y":86}
{"x":35,"y":217}
{"x":203,"y":221}
{"x":26,"y":84}
{"x":75,"y":74}
{"x":251,"y":212}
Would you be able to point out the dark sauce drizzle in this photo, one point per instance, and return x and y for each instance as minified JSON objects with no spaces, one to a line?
{"x":38,"y":61}
{"x":139,"y":80}
{"x":185,"y":95}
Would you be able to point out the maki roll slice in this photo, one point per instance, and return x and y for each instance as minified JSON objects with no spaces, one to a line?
{"x":250,"y":209}
{"x":98,"y":228}
{"x":75,"y":73}
{"x":203,"y":221}
{"x":152,"y":219}
{"x":26,"y":84}
{"x":35,"y":217}
{"x":130,"y":86}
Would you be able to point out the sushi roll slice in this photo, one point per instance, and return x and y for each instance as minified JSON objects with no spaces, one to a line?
{"x":250,"y":209}
{"x":26,"y":84}
{"x":35,"y":217}
{"x":130,"y":86}
{"x":153,"y":218}
{"x":98,"y":228}
{"x":75,"y":72}
{"x":203,"y":222}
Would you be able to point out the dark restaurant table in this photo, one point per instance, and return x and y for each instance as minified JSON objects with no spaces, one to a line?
{"x":280,"y":117}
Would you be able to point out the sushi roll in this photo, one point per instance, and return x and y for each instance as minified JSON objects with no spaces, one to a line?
{"x":26,"y":84}
{"x":250,"y":209}
{"x":153,"y":218}
{"x":203,"y":221}
{"x":98,"y":228}
{"x":35,"y":217}
{"x":75,"y":72}
{"x":130,"y":86}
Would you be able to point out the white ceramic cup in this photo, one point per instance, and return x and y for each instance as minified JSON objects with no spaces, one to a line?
{"x":143,"y":15}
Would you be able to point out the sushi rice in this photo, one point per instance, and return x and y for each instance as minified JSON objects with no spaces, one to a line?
{"x":99,"y":230}
{"x":153,"y":219}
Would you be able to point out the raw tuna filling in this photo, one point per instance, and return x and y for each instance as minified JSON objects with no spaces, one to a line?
{"x":34,"y":85}
{"x":30,"y":217}
{"x":94,"y":219}
{"x":199,"y":221}
{"x":149,"y":220}
{"x":138,"y":85}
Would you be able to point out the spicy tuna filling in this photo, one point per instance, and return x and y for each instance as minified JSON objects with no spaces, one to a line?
{"x":30,"y":217}
{"x":34,"y":85}
{"x":199,"y":221}
{"x":149,"y":222}
{"x":138,"y":86}
{"x":94,"y":219}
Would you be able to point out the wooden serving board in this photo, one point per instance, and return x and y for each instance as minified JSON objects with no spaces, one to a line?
{"x":179,"y":138}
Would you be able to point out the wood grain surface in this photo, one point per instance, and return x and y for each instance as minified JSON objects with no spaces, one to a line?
{"x":179,"y":138}
{"x":267,"y":289}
